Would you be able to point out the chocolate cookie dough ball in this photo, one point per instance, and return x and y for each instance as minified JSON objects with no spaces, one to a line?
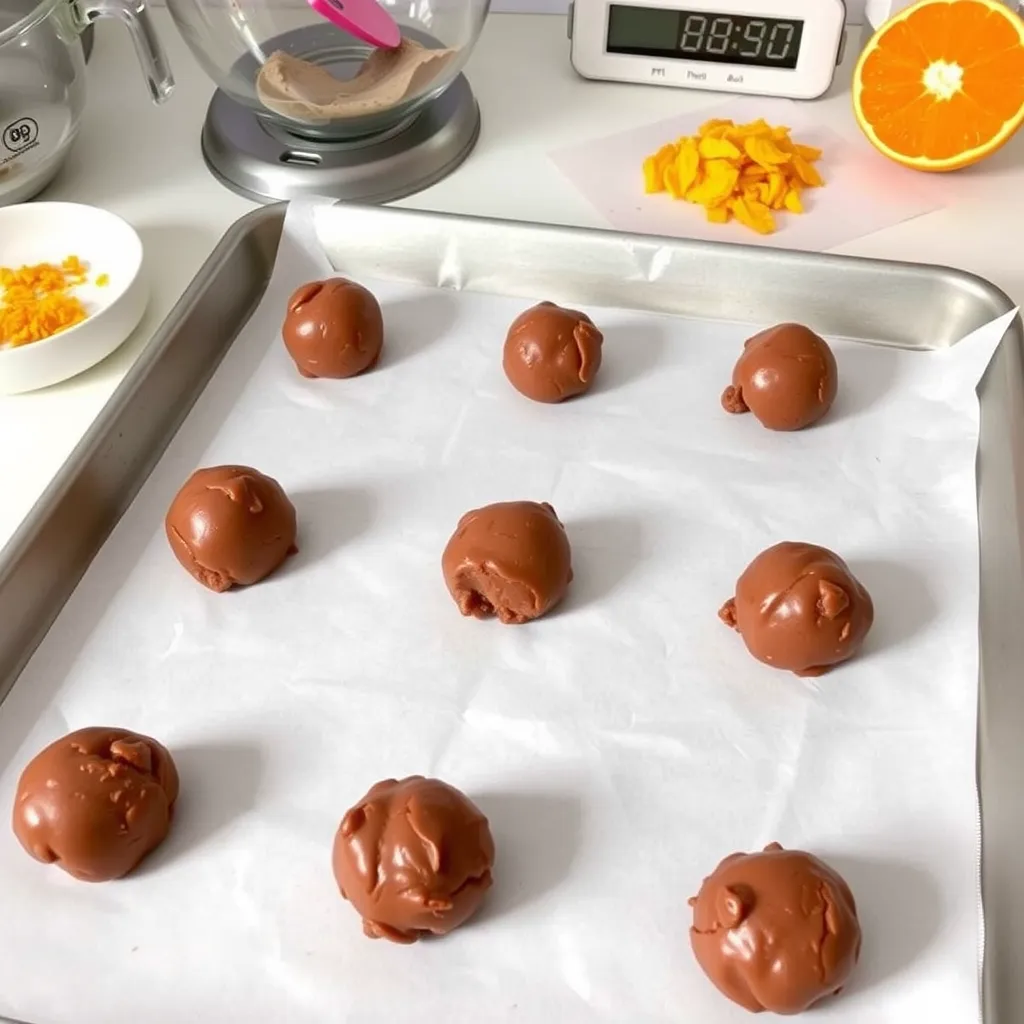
{"x":412,"y":857}
{"x":775,"y":931}
{"x":333,"y":328}
{"x":96,"y":802}
{"x":230,"y":525}
{"x":798,"y":607}
{"x":511,"y":559}
{"x":552,"y":353}
{"x":787,"y":377}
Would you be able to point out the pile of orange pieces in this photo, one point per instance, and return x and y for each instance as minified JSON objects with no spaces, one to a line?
{"x":36,"y":301}
{"x":745,"y":172}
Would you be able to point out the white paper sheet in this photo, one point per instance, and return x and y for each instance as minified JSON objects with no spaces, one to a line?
{"x":863,"y":192}
{"x":620,"y":747}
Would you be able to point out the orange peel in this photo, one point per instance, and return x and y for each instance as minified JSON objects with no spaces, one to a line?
{"x":742,"y":172}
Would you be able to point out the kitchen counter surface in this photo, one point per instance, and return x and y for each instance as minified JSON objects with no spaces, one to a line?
{"x":144,"y":163}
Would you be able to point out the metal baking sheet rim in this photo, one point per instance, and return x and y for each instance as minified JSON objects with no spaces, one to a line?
{"x":50,"y":552}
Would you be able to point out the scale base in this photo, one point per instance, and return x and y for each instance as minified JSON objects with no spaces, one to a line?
{"x":266,"y":164}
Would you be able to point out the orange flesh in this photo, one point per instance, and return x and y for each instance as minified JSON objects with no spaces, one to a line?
{"x":947,"y":80}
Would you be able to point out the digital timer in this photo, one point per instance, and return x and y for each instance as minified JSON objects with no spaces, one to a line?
{"x":695,"y":35}
{"x":764,"y":47}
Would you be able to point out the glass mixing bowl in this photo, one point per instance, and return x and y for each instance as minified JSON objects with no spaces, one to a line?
{"x":233,"y":40}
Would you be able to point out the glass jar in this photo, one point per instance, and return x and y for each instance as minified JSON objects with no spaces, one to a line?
{"x":42,"y":82}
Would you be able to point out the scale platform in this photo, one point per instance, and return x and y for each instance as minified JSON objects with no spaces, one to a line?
{"x":259,"y":159}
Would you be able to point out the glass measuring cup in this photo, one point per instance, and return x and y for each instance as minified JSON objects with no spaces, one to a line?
{"x":42,"y":82}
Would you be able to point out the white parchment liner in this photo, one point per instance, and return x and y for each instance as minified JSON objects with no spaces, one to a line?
{"x":621,"y":747}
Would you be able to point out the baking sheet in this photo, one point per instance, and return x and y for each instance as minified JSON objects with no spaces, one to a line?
{"x":620,"y":747}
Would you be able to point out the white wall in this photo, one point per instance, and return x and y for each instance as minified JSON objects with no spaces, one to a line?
{"x":854,"y":8}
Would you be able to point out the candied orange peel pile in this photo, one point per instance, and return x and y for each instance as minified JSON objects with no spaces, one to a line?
{"x":36,"y":302}
{"x":745,"y":172}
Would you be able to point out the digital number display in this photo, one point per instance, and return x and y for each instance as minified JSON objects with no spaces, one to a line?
{"x":700,"y":35}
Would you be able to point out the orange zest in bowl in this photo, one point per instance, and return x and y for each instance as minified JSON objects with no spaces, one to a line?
{"x":941,"y":85}
{"x":37,"y":301}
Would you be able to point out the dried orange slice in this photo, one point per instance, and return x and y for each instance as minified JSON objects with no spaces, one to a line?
{"x":741,"y":172}
{"x":941,"y":85}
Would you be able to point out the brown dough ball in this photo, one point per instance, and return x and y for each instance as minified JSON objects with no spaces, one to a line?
{"x":333,"y":328}
{"x":775,"y":931}
{"x":96,"y":802}
{"x":798,"y":607}
{"x":511,"y":559}
{"x":787,"y":377}
{"x":413,"y":856}
{"x":552,"y":353}
{"x":230,"y":525}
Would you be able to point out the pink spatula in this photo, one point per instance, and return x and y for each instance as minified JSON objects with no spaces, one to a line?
{"x":365,"y":19}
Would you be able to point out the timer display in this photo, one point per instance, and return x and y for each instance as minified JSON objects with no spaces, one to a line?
{"x":703,"y":36}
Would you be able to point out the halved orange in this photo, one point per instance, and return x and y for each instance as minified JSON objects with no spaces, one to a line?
{"x":941,"y":85}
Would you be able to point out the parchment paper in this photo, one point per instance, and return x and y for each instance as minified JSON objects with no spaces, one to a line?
{"x":620,"y":747}
{"x":863,"y":193}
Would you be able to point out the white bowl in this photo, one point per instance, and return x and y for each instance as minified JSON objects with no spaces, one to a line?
{"x":49,"y":233}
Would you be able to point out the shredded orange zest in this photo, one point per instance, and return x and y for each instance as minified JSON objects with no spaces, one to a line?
{"x":742,"y":172}
{"x":37,"y":303}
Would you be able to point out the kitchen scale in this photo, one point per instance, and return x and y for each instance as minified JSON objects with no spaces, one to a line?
{"x":360,"y":100}
{"x":780,"y":48}
{"x":267,"y":163}
{"x":266,"y":159}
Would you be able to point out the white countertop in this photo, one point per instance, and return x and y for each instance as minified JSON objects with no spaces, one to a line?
{"x":144,"y":163}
